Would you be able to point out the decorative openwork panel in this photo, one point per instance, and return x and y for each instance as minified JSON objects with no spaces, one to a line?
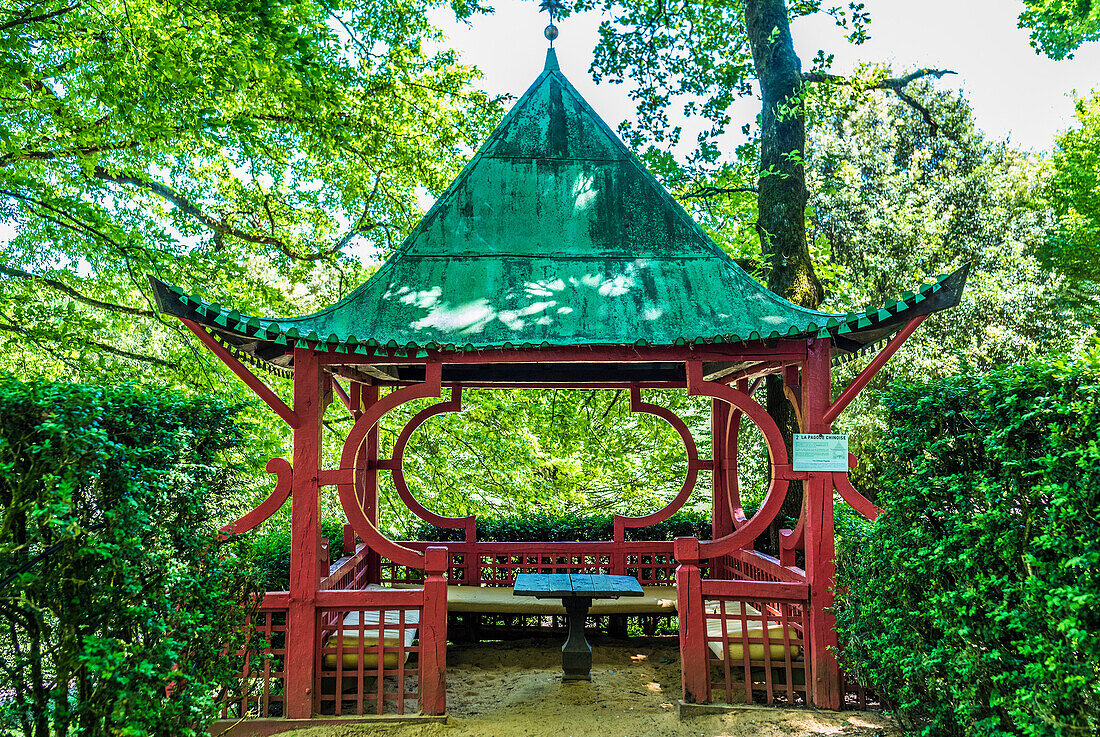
{"x":365,"y":663}
{"x":263,"y":681}
{"x":652,"y":564}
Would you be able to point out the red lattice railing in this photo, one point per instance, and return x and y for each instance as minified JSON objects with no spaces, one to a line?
{"x":756,"y":646}
{"x":744,"y":637}
{"x":368,"y":652}
{"x":498,"y":563}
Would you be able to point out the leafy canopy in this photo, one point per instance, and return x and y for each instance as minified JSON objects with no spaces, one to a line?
{"x":1059,"y":27}
{"x":1073,"y":195}
{"x":246,"y":150}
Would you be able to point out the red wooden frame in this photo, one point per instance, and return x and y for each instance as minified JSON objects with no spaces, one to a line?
{"x":796,"y":600}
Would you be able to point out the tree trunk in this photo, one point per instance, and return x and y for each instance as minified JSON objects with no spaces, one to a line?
{"x":781,"y":204}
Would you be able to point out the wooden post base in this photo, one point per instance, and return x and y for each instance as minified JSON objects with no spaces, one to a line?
{"x":576,"y":653}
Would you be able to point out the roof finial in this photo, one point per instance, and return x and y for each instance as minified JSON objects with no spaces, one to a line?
{"x":554,"y":8}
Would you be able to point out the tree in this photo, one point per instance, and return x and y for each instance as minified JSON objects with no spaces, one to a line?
{"x":705,"y":55}
{"x":236,"y":148}
{"x":894,"y":203}
{"x":1073,"y":195}
{"x":113,"y":582}
{"x":1059,"y":27}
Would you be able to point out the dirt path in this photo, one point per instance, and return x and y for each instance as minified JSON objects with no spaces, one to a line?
{"x":515,"y":690}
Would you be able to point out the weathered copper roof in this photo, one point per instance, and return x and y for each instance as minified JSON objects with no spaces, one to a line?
{"x":555,"y":234}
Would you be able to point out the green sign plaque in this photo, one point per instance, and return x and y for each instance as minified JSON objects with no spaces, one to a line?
{"x":820,"y":452}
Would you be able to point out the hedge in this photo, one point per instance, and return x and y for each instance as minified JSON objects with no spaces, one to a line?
{"x":113,"y":584}
{"x":973,"y":606}
{"x":538,"y":527}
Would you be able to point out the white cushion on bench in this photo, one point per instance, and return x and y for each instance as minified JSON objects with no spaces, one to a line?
{"x":755,"y":631}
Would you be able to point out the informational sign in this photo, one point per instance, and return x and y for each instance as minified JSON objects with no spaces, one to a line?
{"x":820,"y":452}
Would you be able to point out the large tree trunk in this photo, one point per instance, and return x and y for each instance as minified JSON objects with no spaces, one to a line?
{"x":781,"y":204}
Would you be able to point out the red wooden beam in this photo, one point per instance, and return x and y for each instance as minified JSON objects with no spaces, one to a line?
{"x":261,"y":389}
{"x":783,"y":350}
{"x":824,"y":682}
{"x":868,"y":373}
{"x":758,"y":590}
{"x":694,"y":668}
{"x":344,"y":396}
{"x":305,"y":540}
{"x":857,"y":501}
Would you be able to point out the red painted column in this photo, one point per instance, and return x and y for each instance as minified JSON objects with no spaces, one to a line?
{"x":820,"y":549}
{"x":368,"y":490}
{"x":433,"y":637}
{"x":721,"y":521}
{"x":305,"y":539}
{"x":694,"y":669}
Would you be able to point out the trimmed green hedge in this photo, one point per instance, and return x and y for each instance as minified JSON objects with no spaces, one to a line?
{"x":973,"y":606}
{"x":539,"y":527}
{"x":268,"y":551}
{"x":113,"y":582}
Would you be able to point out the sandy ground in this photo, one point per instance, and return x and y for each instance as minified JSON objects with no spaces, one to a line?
{"x":515,"y":690}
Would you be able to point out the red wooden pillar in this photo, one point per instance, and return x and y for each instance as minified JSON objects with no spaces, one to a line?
{"x":305,"y":539}
{"x":433,"y":638}
{"x":819,"y":535}
{"x":694,"y":670}
{"x":368,"y":480}
{"x":721,"y":521}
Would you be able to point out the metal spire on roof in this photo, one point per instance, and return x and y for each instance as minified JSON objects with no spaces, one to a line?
{"x":554,"y":8}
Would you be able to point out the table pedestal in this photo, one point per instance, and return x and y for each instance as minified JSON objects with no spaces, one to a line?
{"x":576,"y":653}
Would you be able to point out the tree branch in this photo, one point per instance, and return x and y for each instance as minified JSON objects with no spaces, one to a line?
{"x":78,"y":296}
{"x":707,"y":192}
{"x":77,"y":151}
{"x":186,"y":206}
{"x":892,"y":84}
{"x":94,"y":343}
{"x":39,"y":18}
{"x":221,"y":228}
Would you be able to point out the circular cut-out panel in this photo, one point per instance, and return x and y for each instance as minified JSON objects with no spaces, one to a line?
{"x":550,"y":452}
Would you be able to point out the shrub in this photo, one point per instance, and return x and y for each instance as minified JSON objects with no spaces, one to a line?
{"x":268,"y":550}
{"x":117,"y":601}
{"x":973,"y":606}
{"x":539,"y":527}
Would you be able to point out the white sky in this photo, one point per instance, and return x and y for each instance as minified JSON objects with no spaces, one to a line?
{"x":1016,"y":94}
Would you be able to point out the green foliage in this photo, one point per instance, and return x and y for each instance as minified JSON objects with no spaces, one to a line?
{"x":113,"y":584}
{"x":248,"y":151}
{"x":974,"y":603}
{"x":541,"y":527}
{"x":520,"y":452}
{"x":268,"y":551}
{"x":1059,"y":27}
{"x":1073,"y":195}
{"x":895,"y":203}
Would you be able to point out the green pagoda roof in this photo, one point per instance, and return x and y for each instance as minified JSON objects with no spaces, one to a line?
{"x":554,"y":235}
